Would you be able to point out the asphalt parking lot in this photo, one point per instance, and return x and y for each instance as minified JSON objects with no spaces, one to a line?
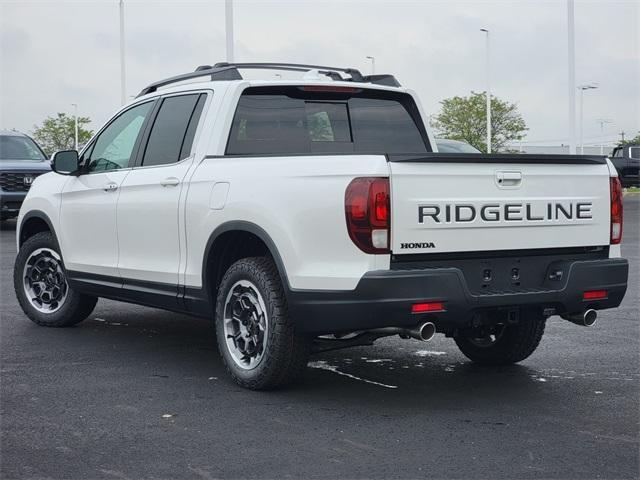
{"x":135,"y":393}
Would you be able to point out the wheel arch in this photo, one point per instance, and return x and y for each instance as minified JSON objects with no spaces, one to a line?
{"x":35,"y":221}
{"x":257,"y":241}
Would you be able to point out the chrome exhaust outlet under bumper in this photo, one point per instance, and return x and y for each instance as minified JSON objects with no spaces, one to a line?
{"x":586,"y":319}
{"x":423,"y":332}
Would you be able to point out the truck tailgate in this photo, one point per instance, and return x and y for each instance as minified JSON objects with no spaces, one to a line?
{"x":462,"y":203}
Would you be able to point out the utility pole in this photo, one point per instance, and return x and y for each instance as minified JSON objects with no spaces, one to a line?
{"x":602,"y":122}
{"x":373,"y":64}
{"x":228,"y":15}
{"x":582,"y":88}
{"x":572,"y":76}
{"x":75,"y":115}
{"x":123,"y":73}
{"x":488,"y":67}
{"x":622,"y":136}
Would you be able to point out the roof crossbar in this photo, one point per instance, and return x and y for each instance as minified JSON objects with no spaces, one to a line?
{"x":229,"y":71}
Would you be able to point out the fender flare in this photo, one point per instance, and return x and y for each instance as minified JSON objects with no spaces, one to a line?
{"x":249,"y":227}
{"x":40,"y":215}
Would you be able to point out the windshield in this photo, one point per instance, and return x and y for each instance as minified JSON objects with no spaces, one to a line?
{"x":14,"y":147}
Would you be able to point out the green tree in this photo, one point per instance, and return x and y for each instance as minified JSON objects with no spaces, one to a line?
{"x":58,"y":133}
{"x":632,"y":141}
{"x":464,"y":118}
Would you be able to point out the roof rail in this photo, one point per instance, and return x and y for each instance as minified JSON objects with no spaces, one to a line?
{"x":355,"y":74}
{"x":229,"y":71}
{"x":224,"y":73}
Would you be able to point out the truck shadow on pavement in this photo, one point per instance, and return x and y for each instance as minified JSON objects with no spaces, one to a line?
{"x":133,"y":346}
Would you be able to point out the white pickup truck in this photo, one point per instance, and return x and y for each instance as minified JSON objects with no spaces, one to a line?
{"x":312,"y":214}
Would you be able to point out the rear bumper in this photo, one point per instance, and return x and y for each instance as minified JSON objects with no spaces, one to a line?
{"x":10,"y":203}
{"x":384,"y":298}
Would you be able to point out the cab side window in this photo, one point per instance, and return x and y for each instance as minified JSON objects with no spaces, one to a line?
{"x":173,"y":130}
{"x":114,"y":147}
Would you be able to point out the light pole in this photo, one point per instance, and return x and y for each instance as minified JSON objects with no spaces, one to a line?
{"x":373,"y":64}
{"x":75,"y":116}
{"x":123,"y":73}
{"x":228,"y":16}
{"x":582,"y":88}
{"x":602,"y":122}
{"x":571,"y":38}
{"x":488,"y":66}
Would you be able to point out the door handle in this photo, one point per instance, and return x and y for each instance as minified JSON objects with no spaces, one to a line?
{"x":508,"y":179}
{"x":111,"y":187}
{"x":170,"y":182}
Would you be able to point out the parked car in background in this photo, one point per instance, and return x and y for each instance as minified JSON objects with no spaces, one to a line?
{"x":627,"y":162}
{"x":21,"y":161}
{"x":454,"y":146}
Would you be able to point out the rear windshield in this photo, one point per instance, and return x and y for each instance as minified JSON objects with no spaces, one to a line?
{"x":14,"y":147}
{"x":292,"y":120}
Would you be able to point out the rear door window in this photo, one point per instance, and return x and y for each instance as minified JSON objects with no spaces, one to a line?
{"x":172,"y":131}
{"x":290,"y":121}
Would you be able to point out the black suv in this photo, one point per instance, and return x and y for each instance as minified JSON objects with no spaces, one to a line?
{"x":21,"y":161}
{"x":627,"y":162}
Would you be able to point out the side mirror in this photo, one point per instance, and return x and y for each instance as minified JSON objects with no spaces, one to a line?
{"x":65,"y":162}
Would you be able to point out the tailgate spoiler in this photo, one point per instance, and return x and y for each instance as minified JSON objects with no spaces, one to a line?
{"x":520,"y":158}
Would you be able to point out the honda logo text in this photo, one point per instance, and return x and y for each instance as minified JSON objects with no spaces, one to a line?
{"x":417,"y":245}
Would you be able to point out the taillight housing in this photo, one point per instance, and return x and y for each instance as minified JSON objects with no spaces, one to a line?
{"x":367,"y":204}
{"x":616,"y":211}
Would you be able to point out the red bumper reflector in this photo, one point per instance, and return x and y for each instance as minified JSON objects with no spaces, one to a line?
{"x":594,"y":295}
{"x":427,"y":307}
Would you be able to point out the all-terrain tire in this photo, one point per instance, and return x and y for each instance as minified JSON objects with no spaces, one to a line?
{"x":286,"y":351}
{"x":76,"y":306}
{"x":517,"y":342}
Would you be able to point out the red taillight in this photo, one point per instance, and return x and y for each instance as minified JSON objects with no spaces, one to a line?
{"x":381,"y":205}
{"x":368,"y":210}
{"x":427,"y":307}
{"x":616,"y":211}
{"x":594,"y":295}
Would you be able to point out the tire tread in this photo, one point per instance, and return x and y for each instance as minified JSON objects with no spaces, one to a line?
{"x":77,"y":306}
{"x":519,"y":342}
{"x":285,"y":358}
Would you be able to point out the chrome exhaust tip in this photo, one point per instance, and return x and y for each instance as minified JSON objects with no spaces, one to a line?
{"x":586,"y":319}
{"x":589,"y":318}
{"x":424,"y":332}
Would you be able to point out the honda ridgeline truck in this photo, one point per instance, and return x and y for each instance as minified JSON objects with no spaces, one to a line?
{"x":312,"y":214}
